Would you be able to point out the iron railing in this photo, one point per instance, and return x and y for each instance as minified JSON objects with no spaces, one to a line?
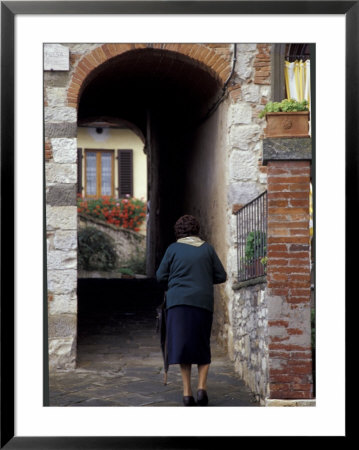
{"x":252,"y":238}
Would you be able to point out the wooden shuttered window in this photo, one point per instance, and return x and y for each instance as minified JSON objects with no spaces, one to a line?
{"x":79,"y":171}
{"x":99,"y":173}
{"x":125,"y":173}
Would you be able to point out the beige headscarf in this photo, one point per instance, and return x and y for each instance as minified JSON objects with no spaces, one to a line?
{"x":191,"y":240}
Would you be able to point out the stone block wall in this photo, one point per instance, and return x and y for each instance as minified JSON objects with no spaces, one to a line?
{"x":249,"y":350}
{"x":61,"y":210}
{"x":273,"y":356}
{"x":61,"y":219}
{"x":246,"y":179}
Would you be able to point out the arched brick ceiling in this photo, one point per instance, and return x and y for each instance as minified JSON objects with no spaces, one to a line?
{"x":167,"y":83}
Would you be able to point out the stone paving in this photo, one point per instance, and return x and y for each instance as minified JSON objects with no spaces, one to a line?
{"x":120,"y":364}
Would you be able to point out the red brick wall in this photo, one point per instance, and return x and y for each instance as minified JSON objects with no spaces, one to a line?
{"x":262,"y":64}
{"x":288,"y":279}
{"x":48,"y":150}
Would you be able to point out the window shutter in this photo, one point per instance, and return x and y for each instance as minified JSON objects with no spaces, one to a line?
{"x":125,"y":173}
{"x":278,"y":81}
{"x":79,"y":170}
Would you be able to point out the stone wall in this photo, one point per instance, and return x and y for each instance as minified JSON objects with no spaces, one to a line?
{"x":250,"y":336}
{"x":61,"y":224}
{"x":61,"y":219}
{"x":206,"y":199}
{"x":128,"y":244}
{"x":246,"y":176}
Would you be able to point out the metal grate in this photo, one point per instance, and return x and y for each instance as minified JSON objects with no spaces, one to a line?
{"x":252,"y":238}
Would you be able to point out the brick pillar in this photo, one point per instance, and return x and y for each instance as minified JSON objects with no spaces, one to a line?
{"x":288,"y":268}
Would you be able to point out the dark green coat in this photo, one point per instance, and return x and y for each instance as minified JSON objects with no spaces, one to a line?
{"x":189,"y":273}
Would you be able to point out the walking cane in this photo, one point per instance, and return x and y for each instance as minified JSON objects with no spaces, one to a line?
{"x":161,"y":328}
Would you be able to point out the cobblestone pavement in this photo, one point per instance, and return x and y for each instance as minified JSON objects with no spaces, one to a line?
{"x":120,"y":364}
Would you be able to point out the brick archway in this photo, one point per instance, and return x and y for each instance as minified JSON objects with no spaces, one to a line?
{"x":216,"y":64}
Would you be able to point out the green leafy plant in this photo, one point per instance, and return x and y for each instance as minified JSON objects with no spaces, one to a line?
{"x":256,"y":246}
{"x":95,"y":250}
{"x":137,"y":264}
{"x":264,"y":261}
{"x":134,"y":265}
{"x":126,"y":271}
{"x":286,"y":105}
{"x":254,"y":254}
{"x":125,"y":213}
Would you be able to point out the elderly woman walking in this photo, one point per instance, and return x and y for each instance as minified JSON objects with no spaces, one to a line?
{"x":189,"y":269}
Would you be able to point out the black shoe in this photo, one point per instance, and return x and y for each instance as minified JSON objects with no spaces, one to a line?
{"x":188,"y":400}
{"x":202,"y":397}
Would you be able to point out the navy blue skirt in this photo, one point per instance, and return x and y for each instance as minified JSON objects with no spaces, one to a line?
{"x":188,"y":335}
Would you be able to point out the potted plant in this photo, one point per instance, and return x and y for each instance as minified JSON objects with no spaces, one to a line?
{"x":288,"y":118}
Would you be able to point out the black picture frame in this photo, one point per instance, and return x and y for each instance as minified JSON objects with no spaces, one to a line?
{"x":9,"y":9}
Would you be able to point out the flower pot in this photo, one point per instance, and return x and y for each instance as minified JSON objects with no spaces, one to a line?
{"x":287,"y":124}
{"x":254,"y":268}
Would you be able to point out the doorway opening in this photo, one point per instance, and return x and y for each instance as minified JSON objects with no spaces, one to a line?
{"x":167,"y":99}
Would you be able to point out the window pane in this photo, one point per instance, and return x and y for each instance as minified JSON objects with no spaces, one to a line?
{"x":106,"y":174}
{"x":91,"y":176}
